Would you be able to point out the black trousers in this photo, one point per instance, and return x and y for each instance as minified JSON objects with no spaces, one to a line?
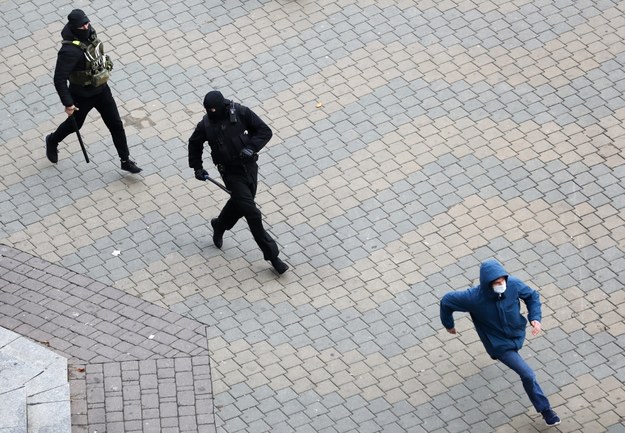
{"x":242,"y":183}
{"x":105,"y":104}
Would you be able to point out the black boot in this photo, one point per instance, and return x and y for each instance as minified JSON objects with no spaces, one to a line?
{"x":218,"y":233}
{"x":51,"y":150}
{"x":130,"y":166}
{"x":279,"y":265}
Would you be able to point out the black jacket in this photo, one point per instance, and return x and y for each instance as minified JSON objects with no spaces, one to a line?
{"x":225,"y":139}
{"x":72,"y":58}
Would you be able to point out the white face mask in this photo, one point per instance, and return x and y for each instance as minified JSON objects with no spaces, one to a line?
{"x":499,"y":288}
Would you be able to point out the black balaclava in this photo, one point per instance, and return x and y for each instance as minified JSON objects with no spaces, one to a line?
{"x":77,"y":18}
{"x":214,"y":99}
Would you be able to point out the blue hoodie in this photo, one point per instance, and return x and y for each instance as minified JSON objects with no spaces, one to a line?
{"x":497,"y":318}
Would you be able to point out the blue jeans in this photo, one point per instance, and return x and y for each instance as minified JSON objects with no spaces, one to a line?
{"x":513,"y":360}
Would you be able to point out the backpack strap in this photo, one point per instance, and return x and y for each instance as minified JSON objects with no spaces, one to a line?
{"x":79,"y":44}
{"x":232,"y":112}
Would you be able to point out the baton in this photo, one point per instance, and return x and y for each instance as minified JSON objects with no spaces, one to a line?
{"x":82,"y":146}
{"x":210,"y":179}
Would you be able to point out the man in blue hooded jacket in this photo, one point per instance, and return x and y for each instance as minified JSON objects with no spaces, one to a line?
{"x":495,"y":309}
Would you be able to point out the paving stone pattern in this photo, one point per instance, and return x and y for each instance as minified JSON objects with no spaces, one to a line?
{"x":412,"y":140}
{"x":132,"y":365}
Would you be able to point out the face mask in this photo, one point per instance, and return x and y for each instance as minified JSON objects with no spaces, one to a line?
{"x":218,"y":115}
{"x":82,"y":34}
{"x":499,"y":288}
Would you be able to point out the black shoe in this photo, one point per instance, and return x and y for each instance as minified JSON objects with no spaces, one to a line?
{"x":130,"y":166}
{"x":218,"y":234}
{"x":551,"y":418}
{"x":51,"y":150}
{"x":279,"y":265}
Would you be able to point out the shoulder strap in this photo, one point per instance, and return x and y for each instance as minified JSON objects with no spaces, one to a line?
{"x":79,"y":44}
{"x":232,"y":112}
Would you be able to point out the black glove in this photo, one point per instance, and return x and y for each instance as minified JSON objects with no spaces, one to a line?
{"x":201,"y":174}
{"x":248,"y":154}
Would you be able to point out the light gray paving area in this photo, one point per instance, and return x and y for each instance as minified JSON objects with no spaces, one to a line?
{"x":412,"y":140}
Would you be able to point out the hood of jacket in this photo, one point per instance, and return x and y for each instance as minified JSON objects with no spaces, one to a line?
{"x":490,"y":270}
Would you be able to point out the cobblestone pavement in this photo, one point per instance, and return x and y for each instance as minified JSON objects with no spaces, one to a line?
{"x":412,"y":140}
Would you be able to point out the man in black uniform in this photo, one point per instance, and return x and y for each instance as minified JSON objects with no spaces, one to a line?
{"x":82,"y":62}
{"x":235,"y":134}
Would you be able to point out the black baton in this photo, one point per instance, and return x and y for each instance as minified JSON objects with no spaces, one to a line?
{"x":217,"y":183}
{"x":82,"y":146}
